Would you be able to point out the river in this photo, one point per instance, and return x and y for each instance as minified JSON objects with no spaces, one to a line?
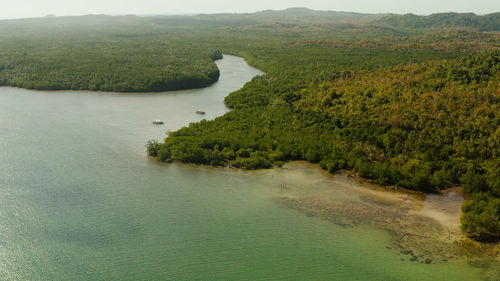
{"x":79,"y":200}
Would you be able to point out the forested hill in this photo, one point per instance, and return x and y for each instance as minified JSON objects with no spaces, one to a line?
{"x":490,"y":22}
{"x":301,"y":16}
{"x":416,"y":109}
{"x":314,"y":16}
{"x":424,"y":127}
{"x":290,"y":17}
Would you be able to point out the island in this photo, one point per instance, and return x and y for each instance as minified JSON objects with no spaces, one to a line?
{"x":403,"y":100}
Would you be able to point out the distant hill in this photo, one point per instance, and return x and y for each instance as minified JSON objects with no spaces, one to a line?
{"x":490,"y":22}
{"x":314,"y":16}
{"x":288,"y":17}
{"x":305,"y":16}
{"x":306,"y":12}
{"x":291,"y":15}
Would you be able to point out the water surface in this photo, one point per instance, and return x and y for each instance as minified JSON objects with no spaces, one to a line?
{"x":79,"y":200}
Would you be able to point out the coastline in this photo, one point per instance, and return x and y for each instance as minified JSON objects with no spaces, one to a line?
{"x":419,"y":222}
{"x":120,"y":92}
{"x":423,"y":227}
{"x":212,"y":81}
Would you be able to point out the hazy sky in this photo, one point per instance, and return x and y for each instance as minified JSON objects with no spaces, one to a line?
{"x":37,"y":8}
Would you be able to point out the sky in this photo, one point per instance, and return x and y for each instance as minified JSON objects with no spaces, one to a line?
{"x":37,"y":8}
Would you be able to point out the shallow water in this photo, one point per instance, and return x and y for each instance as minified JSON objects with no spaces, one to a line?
{"x":79,"y":200}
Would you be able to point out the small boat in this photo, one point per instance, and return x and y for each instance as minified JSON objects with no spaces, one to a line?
{"x":158,"y":122}
{"x":201,"y":112}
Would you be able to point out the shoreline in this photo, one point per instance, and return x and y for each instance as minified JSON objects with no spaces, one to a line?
{"x":423,"y":227}
{"x":112,"y":92}
{"x":127,"y":92}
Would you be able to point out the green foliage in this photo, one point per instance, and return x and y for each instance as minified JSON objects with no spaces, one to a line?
{"x":473,"y":182}
{"x":481,"y":216}
{"x":251,"y":163}
{"x":152,"y":148}
{"x":103,"y":58}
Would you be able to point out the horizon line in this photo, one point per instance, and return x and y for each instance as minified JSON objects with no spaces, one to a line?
{"x":234,"y":13}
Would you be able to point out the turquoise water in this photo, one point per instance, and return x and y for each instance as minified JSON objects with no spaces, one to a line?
{"x":79,"y":200}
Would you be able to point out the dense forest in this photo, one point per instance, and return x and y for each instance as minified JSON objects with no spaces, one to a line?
{"x":403,"y":100}
{"x":101,"y":57}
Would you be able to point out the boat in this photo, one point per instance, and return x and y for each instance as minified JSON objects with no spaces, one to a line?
{"x":201,"y":112}
{"x":158,"y":122}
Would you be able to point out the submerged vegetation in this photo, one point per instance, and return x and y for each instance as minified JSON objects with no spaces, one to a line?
{"x":402,"y":100}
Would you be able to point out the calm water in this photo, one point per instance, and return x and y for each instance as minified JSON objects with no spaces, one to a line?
{"x":79,"y":200}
